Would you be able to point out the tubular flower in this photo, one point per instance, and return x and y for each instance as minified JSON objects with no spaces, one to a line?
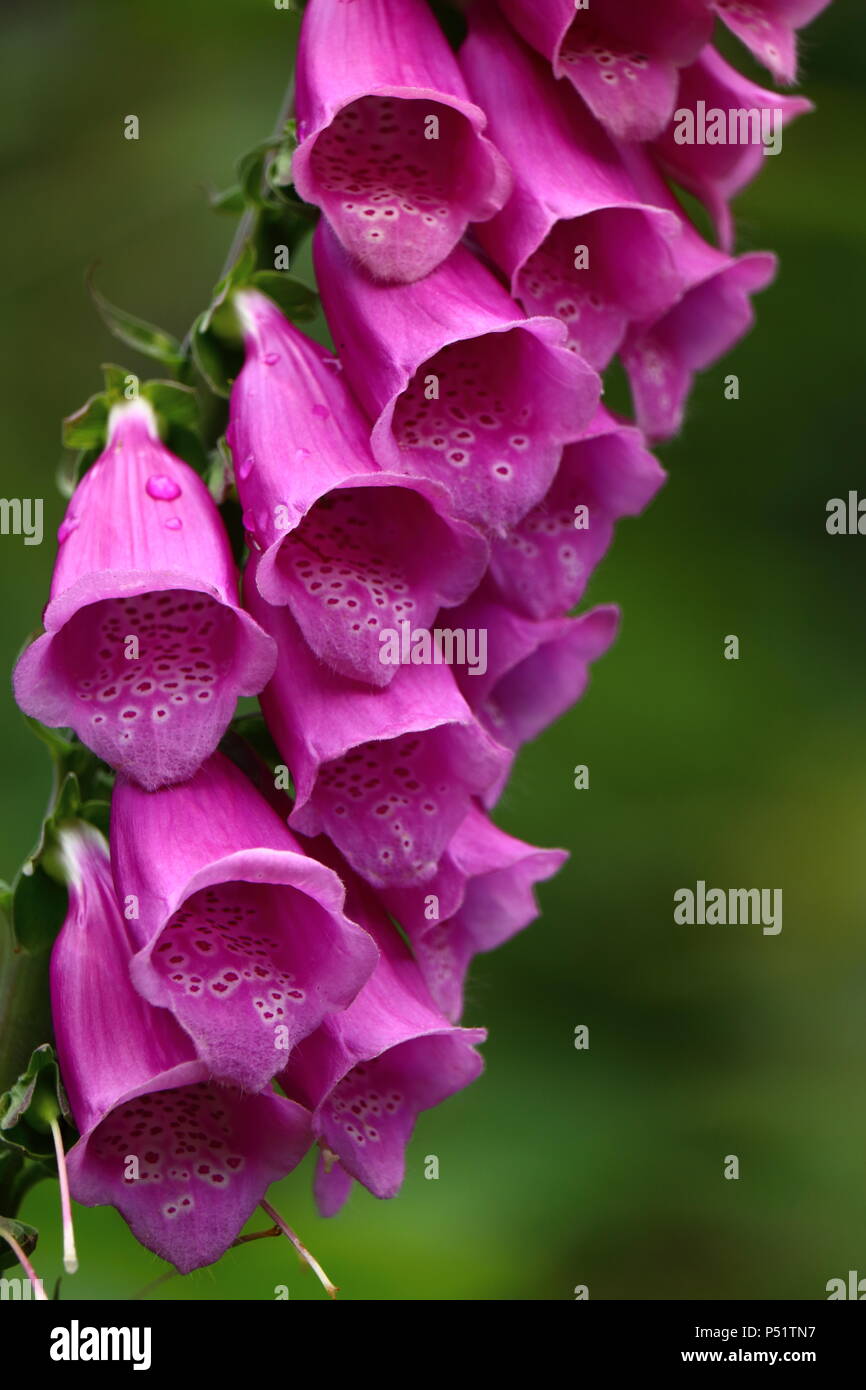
{"x":575,"y":238}
{"x":481,"y":896}
{"x":184,"y":1160}
{"x":768,"y":28}
{"x":715,"y":312}
{"x":387,"y":774}
{"x":340,"y":539}
{"x":542,"y":566}
{"x":239,"y":933}
{"x":367,"y":1073}
{"x":462,"y":388}
{"x":535,"y":671}
{"x":145,"y":649}
{"x":622,"y":56}
{"x":392,"y":147}
{"x":750,"y":124}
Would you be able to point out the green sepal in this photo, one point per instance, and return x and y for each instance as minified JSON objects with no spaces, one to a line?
{"x":220,"y":471}
{"x":174,"y":403}
{"x":85,"y":428}
{"x":297,"y":301}
{"x":137,"y":333}
{"x":216,"y":336}
{"x":228,"y":200}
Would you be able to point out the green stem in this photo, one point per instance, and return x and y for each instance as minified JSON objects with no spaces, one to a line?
{"x":25,"y":1011}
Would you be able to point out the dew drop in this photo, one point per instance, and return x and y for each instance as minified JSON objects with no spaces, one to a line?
{"x":174,"y":523}
{"x":321,"y":411}
{"x":270,"y":359}
{"x":246,"y":468}
{"x":161,"y":487}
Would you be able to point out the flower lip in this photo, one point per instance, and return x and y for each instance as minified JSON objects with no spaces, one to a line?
{"x":240,"y":934}
{"x":459,"y":332}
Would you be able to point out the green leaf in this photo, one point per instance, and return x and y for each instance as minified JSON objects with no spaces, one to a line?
{"x":30,"y":1105}
{"x":26,"y":1236}
{"x":144,"y":337}
{"x":296,"y":300}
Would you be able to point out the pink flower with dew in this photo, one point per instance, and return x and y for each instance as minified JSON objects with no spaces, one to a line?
{"x":145,"y":649}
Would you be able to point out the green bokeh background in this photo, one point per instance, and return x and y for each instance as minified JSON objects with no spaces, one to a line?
{"x":559,"y":1167}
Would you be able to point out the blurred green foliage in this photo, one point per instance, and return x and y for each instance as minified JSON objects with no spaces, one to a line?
{"x":559,"y":1167}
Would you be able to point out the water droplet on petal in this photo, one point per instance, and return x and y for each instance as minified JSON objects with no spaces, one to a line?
{"x":301,"y":454}
{"x":162,"y":488}
{"x":246,"y":468}
{"x":174,"y":523}
{"x":321,"y":411}
{"x":270,"y":359}
{"x":66,"y":527}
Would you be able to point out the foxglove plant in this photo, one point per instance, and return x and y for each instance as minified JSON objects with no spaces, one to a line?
{"x":495,"y":227}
